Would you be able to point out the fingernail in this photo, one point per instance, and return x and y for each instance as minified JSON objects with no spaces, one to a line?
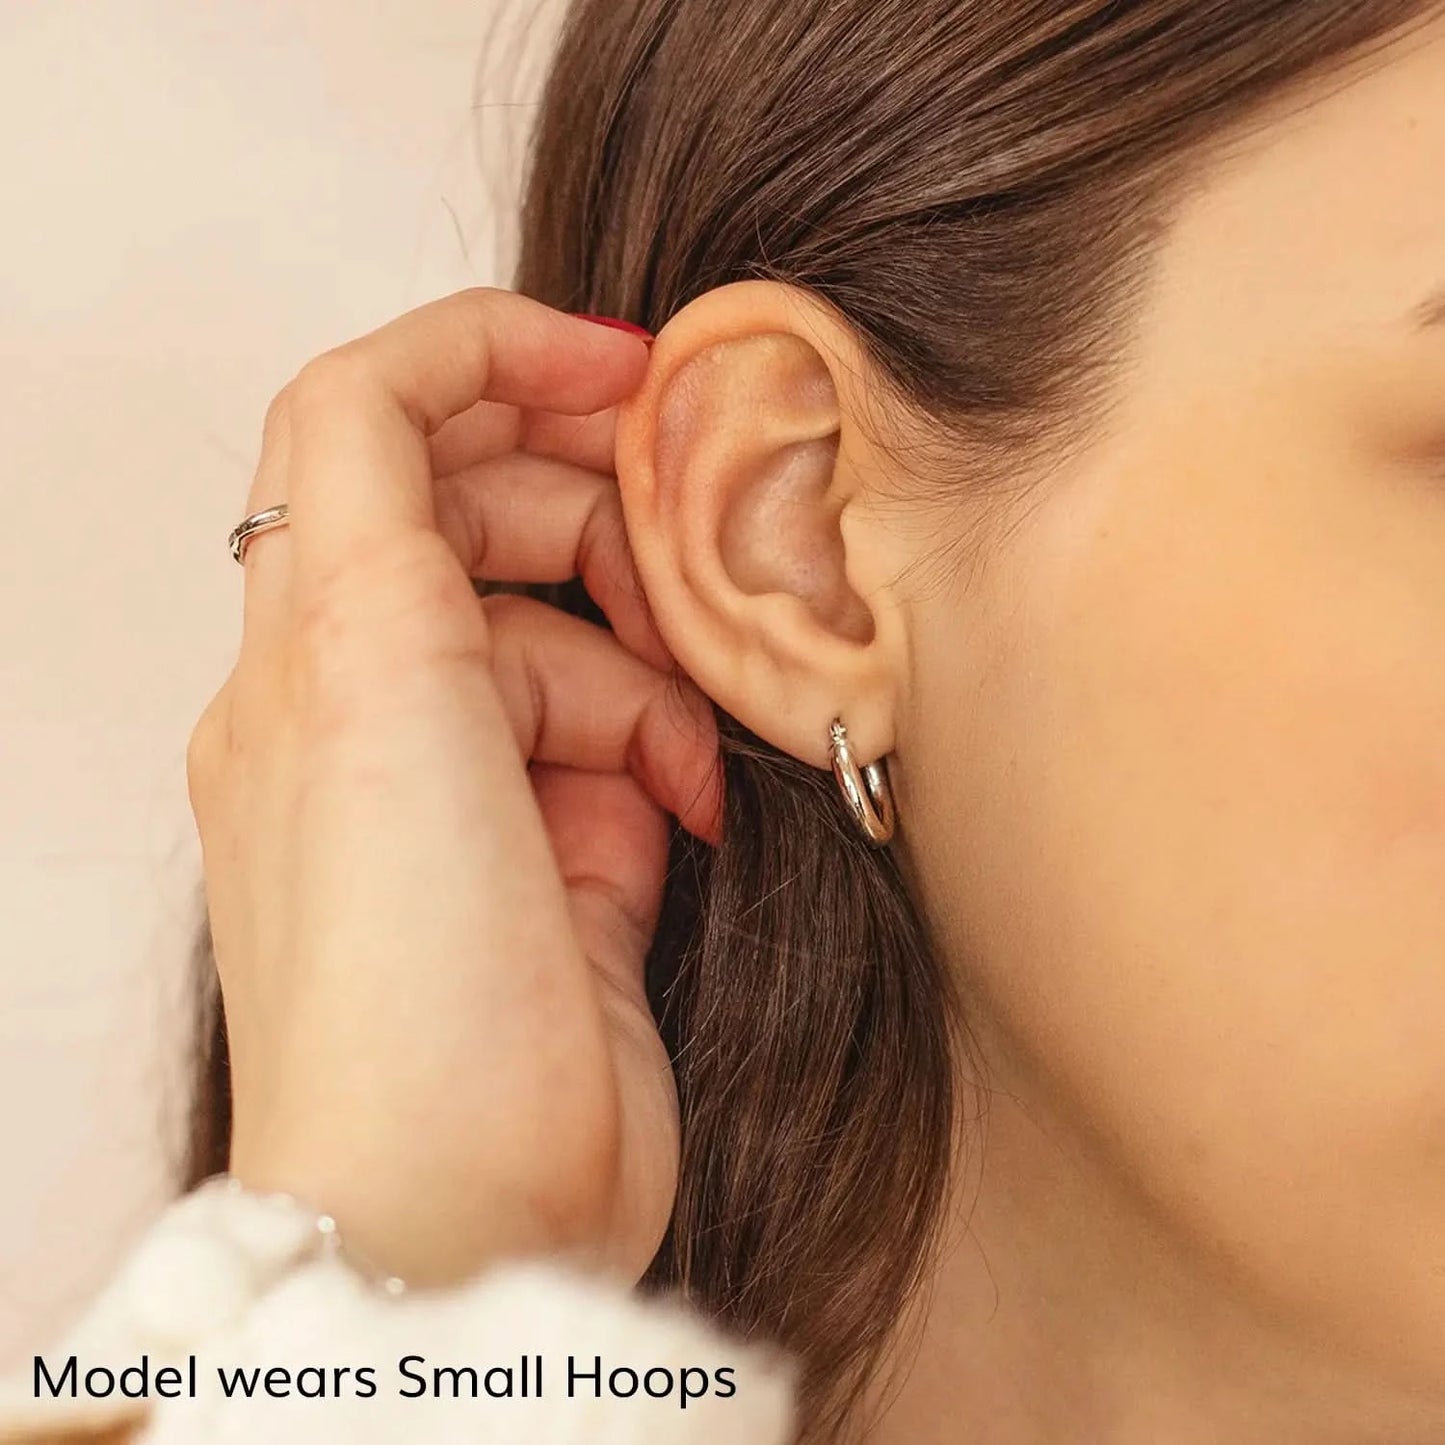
{"x":615,"y":324}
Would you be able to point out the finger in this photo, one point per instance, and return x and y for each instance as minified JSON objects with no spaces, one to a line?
{"x":485,"y":429}
{"x":267,"y":559}
{"x":491,"y":428}
{"x":361,"y":414}
{"x":585,"y":441}
{"x":524,"y":519}
{"x":611,"y":842}
{"x":575,"y":695}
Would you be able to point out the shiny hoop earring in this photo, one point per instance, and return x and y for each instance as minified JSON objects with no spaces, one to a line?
{"x":866,"y":791}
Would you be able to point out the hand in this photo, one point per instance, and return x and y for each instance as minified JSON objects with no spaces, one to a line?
{"x":435,"y":826}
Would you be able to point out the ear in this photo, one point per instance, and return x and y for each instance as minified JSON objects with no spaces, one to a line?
{"x":747,"y":489}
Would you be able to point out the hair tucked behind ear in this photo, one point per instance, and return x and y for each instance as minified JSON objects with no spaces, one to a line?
{"x":974,"y":187}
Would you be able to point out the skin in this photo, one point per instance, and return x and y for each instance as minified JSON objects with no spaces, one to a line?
{"x":1171,"y":770}
{"x":435,"y":831}
{"x":1169,"y":774}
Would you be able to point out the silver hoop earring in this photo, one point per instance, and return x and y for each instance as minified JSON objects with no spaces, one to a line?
{"x":866,"y":791}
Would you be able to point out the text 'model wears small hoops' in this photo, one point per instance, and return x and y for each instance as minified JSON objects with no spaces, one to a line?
{"x":866,"y":791}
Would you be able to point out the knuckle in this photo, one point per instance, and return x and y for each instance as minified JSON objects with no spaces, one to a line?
{"x":366,"y":587}
{"x":484,"y":295}
{"x":277,"y":422}
{"x":511,"y":621}
{"x":502,"y":609}
{"x":332,"y":375}
{"x":603,"y":550}
{"x":514,"y":612}
{"x":326,"y":619}
{"x":627,"y":928}
{"x":206,"y":750}
{"x":385,"y":608}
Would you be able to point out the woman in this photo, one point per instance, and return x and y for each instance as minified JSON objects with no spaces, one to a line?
{"x":1048,"y":398}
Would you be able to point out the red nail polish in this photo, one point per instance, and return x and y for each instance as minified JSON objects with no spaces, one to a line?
{"x":615,"y":324}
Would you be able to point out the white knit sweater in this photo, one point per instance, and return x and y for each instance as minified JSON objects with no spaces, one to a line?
{"x":226,"y":1287}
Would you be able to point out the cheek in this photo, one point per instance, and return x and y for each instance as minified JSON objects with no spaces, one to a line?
{"x":1201,"y":874}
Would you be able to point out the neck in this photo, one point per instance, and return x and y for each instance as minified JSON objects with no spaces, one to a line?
{"x":1060,"y":1312}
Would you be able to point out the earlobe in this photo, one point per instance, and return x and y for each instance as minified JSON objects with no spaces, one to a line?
{"x":736,"y":476}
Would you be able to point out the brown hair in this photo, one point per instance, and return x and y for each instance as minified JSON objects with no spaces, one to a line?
{"x":974,"y":187}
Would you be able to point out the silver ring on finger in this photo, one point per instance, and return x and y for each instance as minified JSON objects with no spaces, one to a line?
{"x":252,"y":526}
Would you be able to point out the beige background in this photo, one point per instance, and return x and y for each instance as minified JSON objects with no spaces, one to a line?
{"x":197,"y":197}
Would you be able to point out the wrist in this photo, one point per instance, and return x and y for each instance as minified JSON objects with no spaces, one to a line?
{"x":391,"y":1220}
